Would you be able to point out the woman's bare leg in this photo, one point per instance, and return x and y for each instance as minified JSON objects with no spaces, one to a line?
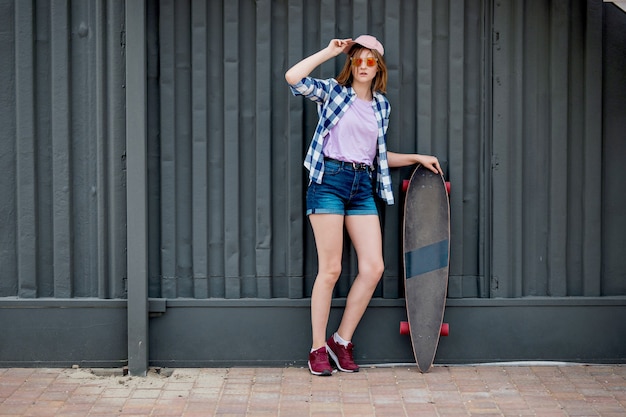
{"x":366,"y":238}
{"x":328,"y":231}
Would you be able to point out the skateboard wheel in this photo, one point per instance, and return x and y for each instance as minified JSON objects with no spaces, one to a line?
{"x":445,"y":329}
{"x":405,"y":185}
{"x":448,"y":187}
{"x":404,"y":327}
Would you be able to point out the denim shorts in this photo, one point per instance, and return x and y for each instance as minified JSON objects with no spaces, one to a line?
{"x":344,"y":190}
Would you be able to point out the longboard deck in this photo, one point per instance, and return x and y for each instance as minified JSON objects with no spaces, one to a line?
{"x":426,"y":247}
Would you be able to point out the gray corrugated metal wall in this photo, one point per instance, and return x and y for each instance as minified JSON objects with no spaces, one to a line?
{"x":225,"y":180}
{"x":547,"y":153}
{"x":218,"y":204}
{"x":226,"y":143}
{"x":62,"y":211}
{"x":232,"y":138}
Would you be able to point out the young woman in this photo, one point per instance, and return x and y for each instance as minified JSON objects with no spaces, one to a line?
{"x":347,"y":150}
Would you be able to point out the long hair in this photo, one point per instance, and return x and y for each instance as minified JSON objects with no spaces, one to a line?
{"x":379,"y":83}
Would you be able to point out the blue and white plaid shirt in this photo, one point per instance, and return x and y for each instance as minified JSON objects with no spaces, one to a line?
{"x":332,"y":101}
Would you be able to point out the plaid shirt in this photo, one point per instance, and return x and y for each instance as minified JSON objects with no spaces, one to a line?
{"x":332,"y":102}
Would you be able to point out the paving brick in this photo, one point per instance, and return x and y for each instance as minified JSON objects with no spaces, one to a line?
{"x":14,"y":408}
{"x":548,"y":391}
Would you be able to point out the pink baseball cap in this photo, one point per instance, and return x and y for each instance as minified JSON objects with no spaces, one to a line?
{"x":368,"y":41}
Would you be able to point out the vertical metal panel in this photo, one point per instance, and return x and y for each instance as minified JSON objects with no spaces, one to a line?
{"x":215,"y":138}
{"x":63,"y":213}
{"x":199,"y":38}
{"x":26,"y":151}
{"x":614,"y":149}
{"x":137,"y":134}
{"x":592,"y":152}
{"x":153,"y":146}
{"x":8,"y":204}
{"x":559,"y":98}
{"x":233,"y":105}
{"x":113,"y":128}
{"x":262,"y":238}
{"x":61,"y":136}
{"x":167,"y":153}
{"x":287,"y":181}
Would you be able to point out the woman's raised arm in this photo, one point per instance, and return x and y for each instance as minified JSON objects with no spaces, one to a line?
{"x":307,"y":65}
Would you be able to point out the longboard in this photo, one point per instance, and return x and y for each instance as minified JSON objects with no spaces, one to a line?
{"x":426,"y":247}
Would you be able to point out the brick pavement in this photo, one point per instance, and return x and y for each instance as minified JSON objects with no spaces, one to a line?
{"x":555,"y":390}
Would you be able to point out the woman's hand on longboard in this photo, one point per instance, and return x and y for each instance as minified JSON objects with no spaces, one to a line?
{"x":430,"y":162}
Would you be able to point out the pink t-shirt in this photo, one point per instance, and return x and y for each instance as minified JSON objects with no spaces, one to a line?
{"x":354,"y":137}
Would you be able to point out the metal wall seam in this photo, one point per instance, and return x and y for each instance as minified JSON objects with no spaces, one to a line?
{"x":576,"y":142}
{"x":232,"y":103}
{"x":485,"y":108}
{"x":216,"y":136}
{"x":116,"y":151}
{"x":424,"y":93}
{"x":262,"y":225}
{"x":533,"y":245}
{"x":102,"y":166}
{"x":456,"y":140}
{"x":515,"y":148}
{"x":8,"y":204}
{"x":557,"y":165}
{"x":169,"y":226}
{"x":249,"y":140}
{"x":61,"y":134}
{"x":592,"y":153}
{"x":473,"y":174}
{"x":200,"y":204}
{"x":110,"y":150}
{"x":26,"y":152}
{"x":154,"y":146}
{"x":390,"y":31}
{"x":182,"y":285}
{"x":299,"y":271}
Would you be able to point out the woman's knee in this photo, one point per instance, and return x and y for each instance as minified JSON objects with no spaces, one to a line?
{"x":329,"y":274}
{"x":373,"y":269}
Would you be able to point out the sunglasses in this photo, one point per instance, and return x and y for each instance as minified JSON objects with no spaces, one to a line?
{"x":369,"y":61}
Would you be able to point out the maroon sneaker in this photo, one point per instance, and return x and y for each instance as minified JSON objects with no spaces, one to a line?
{"x":319,"y":363}
{"x":342,"y":355}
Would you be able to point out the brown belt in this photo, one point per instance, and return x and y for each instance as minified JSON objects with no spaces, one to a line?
{"x":357,"y":166}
